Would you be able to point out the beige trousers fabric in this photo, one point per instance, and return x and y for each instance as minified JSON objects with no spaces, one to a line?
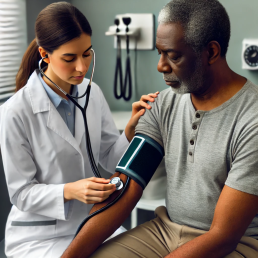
{"x":159,"y":237}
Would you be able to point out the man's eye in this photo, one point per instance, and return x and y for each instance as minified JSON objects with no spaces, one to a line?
{"x":174,"y":58}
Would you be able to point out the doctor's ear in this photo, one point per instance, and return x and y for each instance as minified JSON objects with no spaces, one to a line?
{"x":44,"y":55}
{"x":46,"y":59}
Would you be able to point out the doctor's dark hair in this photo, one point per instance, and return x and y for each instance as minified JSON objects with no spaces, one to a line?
{"x":203,"y":21}
{"x":55,"y":25}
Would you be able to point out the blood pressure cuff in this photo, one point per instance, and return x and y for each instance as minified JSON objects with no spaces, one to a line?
{"x":141,"y":159}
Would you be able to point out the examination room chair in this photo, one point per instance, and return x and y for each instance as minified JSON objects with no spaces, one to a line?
{"x":5,"y":207}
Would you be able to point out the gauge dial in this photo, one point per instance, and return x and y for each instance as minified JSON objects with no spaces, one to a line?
{"x":251,"y":56}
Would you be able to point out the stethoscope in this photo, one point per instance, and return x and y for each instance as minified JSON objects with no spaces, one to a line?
{"x":83,"y":110}
{"x":94,"y":168}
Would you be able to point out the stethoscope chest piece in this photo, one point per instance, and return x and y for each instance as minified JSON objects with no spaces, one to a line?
{"x":117,"y":182}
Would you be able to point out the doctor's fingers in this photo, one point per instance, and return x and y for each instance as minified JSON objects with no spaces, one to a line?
{"x":98,"y":180}
{"x":149,"y":97}
{"x":92,"y":196}
{"x":99,"y":186}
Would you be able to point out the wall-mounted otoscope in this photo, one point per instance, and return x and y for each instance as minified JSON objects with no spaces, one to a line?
{"x":118,"y":71}
{"x":128,"y":76}
{"x":131,"y":31}
{"x":124,"y":93}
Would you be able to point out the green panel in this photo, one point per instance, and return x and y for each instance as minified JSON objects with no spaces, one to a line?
{"x":133,"y":146}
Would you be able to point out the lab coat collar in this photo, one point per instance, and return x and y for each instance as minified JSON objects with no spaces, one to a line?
{"x":38,"y":96}
{"x":40,"y":102}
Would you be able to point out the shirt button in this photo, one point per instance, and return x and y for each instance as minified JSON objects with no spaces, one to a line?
{"x":194,"y":127}
{"x":198,"y":115}
{"x":190,"y":153}
{"x":192,"y":142}
{"x":69,"y":114}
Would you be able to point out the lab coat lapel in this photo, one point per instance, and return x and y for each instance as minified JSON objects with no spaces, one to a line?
{"x":57,"y":124}
{"x":41,"y":103}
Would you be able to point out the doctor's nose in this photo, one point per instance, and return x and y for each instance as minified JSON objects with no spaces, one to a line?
{"x":81,"y":66}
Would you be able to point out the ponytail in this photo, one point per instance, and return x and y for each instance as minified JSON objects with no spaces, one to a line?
{"x":67,"y":23}
{"x":28,"y":65}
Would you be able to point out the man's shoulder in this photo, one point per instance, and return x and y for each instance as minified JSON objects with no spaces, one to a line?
{"x":248,"y":100}
{"x":251,"y":87}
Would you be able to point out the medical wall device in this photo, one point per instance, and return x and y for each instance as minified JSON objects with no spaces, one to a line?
{"x":131,"y":31}
{"x":125,"y":93}
{"x":250,"y":54}
{"x":141,"y":31}
{"x":139,"y":162}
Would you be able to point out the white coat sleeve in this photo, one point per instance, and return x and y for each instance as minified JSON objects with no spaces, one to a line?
{"x":112,"y":145}
{"x":25,"y":192}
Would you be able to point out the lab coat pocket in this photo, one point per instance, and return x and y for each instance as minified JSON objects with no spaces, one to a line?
{"x":34,"y":229}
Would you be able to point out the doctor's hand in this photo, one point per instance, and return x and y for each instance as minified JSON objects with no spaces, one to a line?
{"x":138,"y":109}
{"x":89,"y":190}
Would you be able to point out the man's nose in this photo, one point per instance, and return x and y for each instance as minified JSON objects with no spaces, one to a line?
{"x":163,"y":65}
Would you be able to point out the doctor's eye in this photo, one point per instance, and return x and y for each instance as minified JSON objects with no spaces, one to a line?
{"x":68,"y":61}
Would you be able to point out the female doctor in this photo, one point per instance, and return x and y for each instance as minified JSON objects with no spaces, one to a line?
{"x":49,"y":178}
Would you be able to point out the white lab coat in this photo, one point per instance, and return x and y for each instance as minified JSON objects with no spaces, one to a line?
{"x":40,"y":155}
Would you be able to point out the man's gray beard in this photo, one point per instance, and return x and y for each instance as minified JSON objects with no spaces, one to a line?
{"x":189,"y":85}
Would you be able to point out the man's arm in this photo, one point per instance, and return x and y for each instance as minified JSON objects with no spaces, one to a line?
{"x":234,"y":212}
{"x":101,"y":226}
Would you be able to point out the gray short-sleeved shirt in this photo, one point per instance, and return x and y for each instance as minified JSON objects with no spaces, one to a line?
{"x":205,"y":150}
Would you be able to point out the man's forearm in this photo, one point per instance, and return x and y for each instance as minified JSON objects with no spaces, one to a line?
{"x":101,"y":226}
{"x":210,"y":244}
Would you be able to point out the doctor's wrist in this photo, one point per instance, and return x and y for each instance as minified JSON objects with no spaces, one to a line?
{"x":67,"y":192}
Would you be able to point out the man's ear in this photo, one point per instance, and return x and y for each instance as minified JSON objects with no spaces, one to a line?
{"x":214,"y":52}
{"x":43,"y":54}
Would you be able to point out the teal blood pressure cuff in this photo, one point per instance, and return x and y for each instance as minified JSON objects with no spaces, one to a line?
{"x":141,"y":159}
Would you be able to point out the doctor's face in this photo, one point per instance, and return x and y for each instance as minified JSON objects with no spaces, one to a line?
{"x":71,"y":61}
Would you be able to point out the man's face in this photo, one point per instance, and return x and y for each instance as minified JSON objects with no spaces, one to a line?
{"x":182,"y":68}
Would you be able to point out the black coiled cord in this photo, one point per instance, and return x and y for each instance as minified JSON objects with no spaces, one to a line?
{"x":128,"y":76}
{"x":118,"y":72}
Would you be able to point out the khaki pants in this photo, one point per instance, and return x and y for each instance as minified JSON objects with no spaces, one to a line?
{"x":159,"y":237}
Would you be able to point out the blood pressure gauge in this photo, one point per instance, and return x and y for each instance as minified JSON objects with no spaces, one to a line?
{"x":250,"y":54}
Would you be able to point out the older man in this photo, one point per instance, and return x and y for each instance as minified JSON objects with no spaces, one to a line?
{"x":207,"y":122}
